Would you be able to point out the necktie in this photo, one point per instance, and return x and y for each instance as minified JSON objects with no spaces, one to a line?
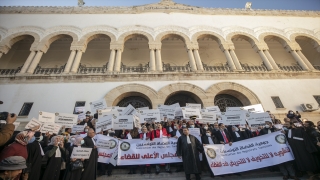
{"x":224,"y":137}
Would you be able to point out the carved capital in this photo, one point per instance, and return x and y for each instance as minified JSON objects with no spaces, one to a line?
{"x":40,"y":47}
{"x":260,"y":47}
{"x":81,"y":48}
{"x":155,"y":45}
{"x":116,"y":46}
{"x":226,"y":46}
{"x":293,"y":47}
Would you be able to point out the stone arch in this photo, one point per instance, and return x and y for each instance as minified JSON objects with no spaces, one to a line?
{"x":165,"y":34}
{"x":250,"y":38}
{"x":85,"y":39}
{"x":314,"y":40}
{"x":46,"y":41}
{"x":280,"y":38}
{"x":168,"y":90}
{"x":13,"y":38}
{"x":113,"y":97}
{"x":127,"y":35}
{"x":217,"y":36}
{"x":3,"y":32}
{"x":245,"y":95}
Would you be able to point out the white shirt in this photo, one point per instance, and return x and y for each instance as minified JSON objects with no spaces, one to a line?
{"x":129,"y":136}
{"x":269,"y":131}
{"x":210,"y":140}
{"x":58,"y":152}
{"x":237,"y":134}
{"x":161,"y":134}
{"x":41,"y":149}
{"x":188,"y":140}
{"x":94,"y":142}
{"x":178,"y":133}
{"x":144,"y":136}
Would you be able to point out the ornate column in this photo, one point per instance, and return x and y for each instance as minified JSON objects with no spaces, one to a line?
{"x":152,"y":64}
{"x":28,"y":62}
{"x":271,"y":60}
{"x":265,"y":60}
{"x":111,"y":61}
{"x":70,"y":61}
{"x":228,"y":57}
{"x":235,"y":59}
{"x":117,"y":64}
{"x":158,"y":60}
{"x":299,"y":60}
{"x":76,"y":62}
{"x":192,"y":61}
{"x":306,"y":61}
{"x":35,"y":62}
{"x":198,"y":59}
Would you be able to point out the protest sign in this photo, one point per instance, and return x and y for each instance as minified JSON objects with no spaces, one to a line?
{"x":257,"y":108}
{"x":122,"y":122}
{"x":213,"y":109}
{"x":136,"y":121}
{"x":195,"y":132}
{"x":258,"y":119}
{"x":107,"y":112}
{"x":57,"y":128}
{"x":46,"y":117}
{"x":114,"y":158}
{"x":167,"y":111}
{"x":119,"y":109}
{"x":99,"y":104}
{"x":178,"y":113}
{"x":234,"y":117}
{"x":137,"y":152}
{"x":66,"y":120}
{"x":81,"y":153}
{"x":253,"y":153}
{"x":151,"y":115}
{"x":107,"y":146}
{"x":129,"y":110}
{"x":187,"y":112}
{"x":104,"y":123}
{"x":194,"y":106}
{"x":80,"y":110}
{"x":77,"y":128}
{"x":208,"y":117}
{"x":33,"y":123}
{"x":48,"y":127}
{"x":143,"y":108}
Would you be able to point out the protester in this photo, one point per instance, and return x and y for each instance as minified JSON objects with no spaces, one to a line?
{"x":223,"y":135}
{"x":90,"y":165}
{"x":145,"y":135}
{"x":294,"y":116}
{"x":11,"y":167}
{"x":188,"y":148}
{"x":268,"y":128}
{"x":73,"y":172}
{"x":7,"y":130}
{"x":35,"y":154}
{"x":238,"y":135}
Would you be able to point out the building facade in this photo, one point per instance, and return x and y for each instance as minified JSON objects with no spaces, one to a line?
{"x":53,"y":58}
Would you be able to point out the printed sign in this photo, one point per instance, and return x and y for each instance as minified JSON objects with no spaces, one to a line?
{"x":33,"y":123}
{"x":99,"y":104}
{"x":129,"y":110}
{"x":258,"y":119}
{"x":167,"y":111}
{"x":194,"y":106}
{"x":152,"y":115}
{"x":104,"y":123}
{"x":234,"y":117}
{"x":213,"y":109}
{"x":77,"y":128}
{"x":208,"y":117}
{"x":187,"y":112}
{"x":81,"y":153}
{"x":107,"y":147}
{"x":195,"y":132}
{"x":122,"y":122}
{"x":66,"y":120}
{"x":257,"y":108}
{"x":45,"y":117}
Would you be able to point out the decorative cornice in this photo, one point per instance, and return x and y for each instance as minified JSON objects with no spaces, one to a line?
{"x":162,"y":7}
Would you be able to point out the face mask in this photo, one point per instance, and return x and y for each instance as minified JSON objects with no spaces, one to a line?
{"x":206,"y":127}
{"x":184,"y":126}
{"x":32,"y":139}
{"x":290,"y":112}
{"x":40,"y":138}
{"x":111,"y":132}
{"x":208,"y":134}
{"x":191,"y":126}
{"x":86,"y":130}
{"x":267,"y":126}
{"x":285,"y":128}
{"x":82,"y":142}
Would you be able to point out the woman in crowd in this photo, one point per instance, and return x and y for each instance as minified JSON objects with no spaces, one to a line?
{"x":73,"y":172}
{"x":130,"y":134}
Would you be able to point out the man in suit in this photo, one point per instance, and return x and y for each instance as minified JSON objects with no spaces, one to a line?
{"x":223,"y":135}
{"x":87,"y":120}
{"x":208,"y":139}
{"x":176,"y":133}
{"x":268,"y":128}
{"x":90,"y":165}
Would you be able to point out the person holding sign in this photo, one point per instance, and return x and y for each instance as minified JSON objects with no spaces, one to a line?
{"x":90,"y":165}
{"x":209,"y":138}
{"x":188,"y":148}
{"x":238,"y":135}
{"x":73,"y":173}
{"x":223,"y":135}
{"x":145,"y":135}
{"x":268,"y":128}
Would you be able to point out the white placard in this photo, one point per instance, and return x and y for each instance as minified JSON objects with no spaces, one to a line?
{"x":143,"y":108}
{"x":45,"y":117}
{"x":234,"y":109}
{"x":257,"y":108}
{"x":81,"y":153}
{"x":213,"y":109}
{"x":66,"y":120}
{"x":167,"y":111}
{"x":187,"y":112}
{"x":77,"y":128}
{"x":16,"y":125}
{"x":104,"y":123}
{"x":57,"y":128}
{"x":48,"y":127}
{"x":80,"y":110}
{"x":122,"y":122}
{"x":82,"y":116}
{"x":178,"y":113}
{"x":119,"y":109}
{"x":194,"y":106}
{"x":208,"y":117}
{"x":195,"y":132}
{"x":258,"y":119}
{"x":129,"y":110}
{"x":136,"y":121}
{"x":234,"y":117}
{"x":105,"y":112}
{"x":99,"y":104}
{"x":107,"y":149}
{"x":148,"y":116}
{"x":33,"y":123}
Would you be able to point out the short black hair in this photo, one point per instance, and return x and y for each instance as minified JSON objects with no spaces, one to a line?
{"x":220,"y":124}
{"x":185,"y":128}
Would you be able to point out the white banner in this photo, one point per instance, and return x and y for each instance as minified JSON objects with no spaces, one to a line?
{"x":137,"y":152}
{"x":122,"y":122}
{"x":151,"y":115}
{"x":45,"y":117}
{"x":129,"y":110}
{"x":195,"y":132}
{"x":96,"y":105}
{"x":32,"y":123}
{"x":254,"y":153}
{"x":258,"y":119}
{"x":81,"y":153}
{"x":208,"y":117}
{"x":77,"y":128}
{"x":194,"y":106}
{"x":257,"y":108}
{"x":66,"y":120}
{"x":104,"y":123}
{"x":106,"y":151}
{"x":187,"y":112}
{"x":234,"y":117}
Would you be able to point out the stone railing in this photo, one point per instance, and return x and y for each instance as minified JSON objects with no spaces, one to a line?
{"x":47,"y":71}
{"x":290,"y":68}
{"x":92,"y":70}
{"x":134,"y":69}
{"x":247,"y":68}
{"x":221,"y":68}
{"x":10,"y":71}
{"x":169,"y":68}
{"x":317,"y":67}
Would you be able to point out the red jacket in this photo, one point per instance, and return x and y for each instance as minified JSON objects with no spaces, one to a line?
{"x":147,"y":135}
{"x":156,"y":133}
{"x":14,"y":149}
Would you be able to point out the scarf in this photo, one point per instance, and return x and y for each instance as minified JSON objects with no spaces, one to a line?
{"x":22,"y":138}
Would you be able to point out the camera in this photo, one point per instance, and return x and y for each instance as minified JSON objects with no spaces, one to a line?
{"x":4,"y":115}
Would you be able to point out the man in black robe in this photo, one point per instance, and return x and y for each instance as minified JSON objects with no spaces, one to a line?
{"x":188,"y":148}
{"x":35,"y":153}
{"x":90,"y":165}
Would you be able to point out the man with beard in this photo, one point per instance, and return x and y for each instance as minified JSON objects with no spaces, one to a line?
{"x":90,"y":165}
{"x":189,"y":147}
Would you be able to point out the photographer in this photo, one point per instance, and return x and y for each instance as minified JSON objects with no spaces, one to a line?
{"x":7,"y":130}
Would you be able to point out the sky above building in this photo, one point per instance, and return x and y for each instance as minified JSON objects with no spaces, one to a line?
{"x":256,"y":4}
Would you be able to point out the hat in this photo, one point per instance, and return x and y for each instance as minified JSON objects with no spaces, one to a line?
{"x":13,"y":163}
{"x":193,"y":117}
{"x":37,"y":134}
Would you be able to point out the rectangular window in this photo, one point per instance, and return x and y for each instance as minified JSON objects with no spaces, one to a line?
{"x":26,"y":108}
{"x":78,"y":104}
{"x":277,"y":102}
{"x":317,"y":97}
